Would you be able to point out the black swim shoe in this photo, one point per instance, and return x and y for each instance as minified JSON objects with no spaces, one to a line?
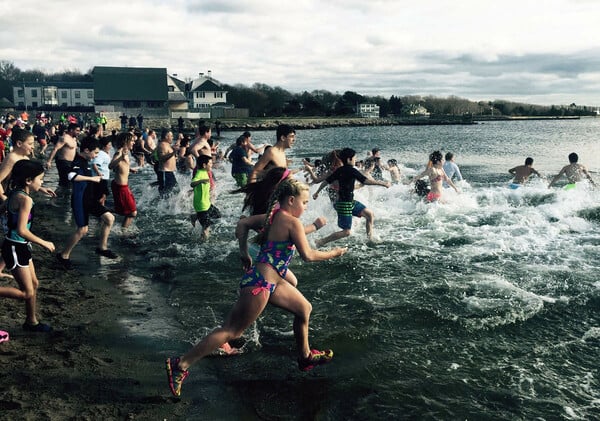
{"x":106,"y":253}
{"x":65,"y":263}
{"x":40,"y":327}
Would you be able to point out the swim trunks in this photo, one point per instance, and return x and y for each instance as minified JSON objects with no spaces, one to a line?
{"x":346,"y":210}
{"x":16,"y":254}
{"x":514,"y":186}
{"x":433,"y":197}
{"x":124,"y":201}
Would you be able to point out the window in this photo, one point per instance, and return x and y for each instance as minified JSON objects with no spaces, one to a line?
{"x":63,"y":94}
{"x":34,"y":93}
{"x":200,"y":94}
{"x":90,"y":94}
{"x":20,"y":93}
{"x":77,"y":94}
{"x":218,"y":94}
{"x":34,"y":104}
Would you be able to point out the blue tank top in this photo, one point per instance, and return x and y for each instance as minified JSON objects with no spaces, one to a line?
{"x":12,"y":221}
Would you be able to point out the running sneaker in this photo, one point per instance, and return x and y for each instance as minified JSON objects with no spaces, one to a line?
{"x":65,"y":263}
{"x":315,"y":358}
{"x":175,"y":375}
{"x":106,"y":253}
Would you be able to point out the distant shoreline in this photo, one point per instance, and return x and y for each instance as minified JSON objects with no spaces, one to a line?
{"x":308,"y":123}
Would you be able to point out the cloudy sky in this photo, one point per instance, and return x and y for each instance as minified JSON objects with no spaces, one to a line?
{"x":541,"y":52}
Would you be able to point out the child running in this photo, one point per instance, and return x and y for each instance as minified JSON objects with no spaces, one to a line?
{"x":436,"y":175}
{"x":124,"y":201}
{"x":27,"y":177}
{"x":206,"y":212}
{"x":263,"y":284}
{"x":346,"y":207}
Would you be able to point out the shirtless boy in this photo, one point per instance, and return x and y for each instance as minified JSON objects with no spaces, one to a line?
{"x":521,"y":173}
{"x":167,"y":164}
{"x":65,"y":151}
{"x":124,"y":201}
{"x":573,"y":172}
{"x":275,"y":155}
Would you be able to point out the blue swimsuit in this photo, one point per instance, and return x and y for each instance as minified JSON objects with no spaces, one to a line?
{"x":278,"y":254}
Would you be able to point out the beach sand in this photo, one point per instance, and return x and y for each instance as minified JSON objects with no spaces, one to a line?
{"x":88,"y":368}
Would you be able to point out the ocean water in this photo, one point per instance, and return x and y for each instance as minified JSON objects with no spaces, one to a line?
{"x":486,"y":307}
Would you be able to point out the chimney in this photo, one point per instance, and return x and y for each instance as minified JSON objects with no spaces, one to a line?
{"x":209,"y":74}
{"x":201,"y":74}
{"x":174,"y":74}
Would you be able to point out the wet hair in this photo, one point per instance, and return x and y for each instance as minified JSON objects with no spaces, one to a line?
{"x":202,"y":160}
{"x":72,"y":126}
{"x":20,"y":135}
{"x":240,"y":140}
{"x":573,"y":157}
{"x":164,"y":133}
{"x":105,"y":141}
{"x":528,"y":161}
{"x":90,"y":143}
{"x":449,"y":156}
{"x":346,"y":154}
{"x":24,"y":170}
{"x":246,"y":134}
{"x":284,"y":130}
{"x":257,"y":193}
{"x":392,"y":162}
{"x":203,"y":129}
{"x":435,"y":157}
{"x":288,"y":187}
{"x":122,"y":139}
{"x":421,"y":188}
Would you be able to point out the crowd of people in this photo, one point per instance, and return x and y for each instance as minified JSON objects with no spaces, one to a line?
{"x":92,"y":166}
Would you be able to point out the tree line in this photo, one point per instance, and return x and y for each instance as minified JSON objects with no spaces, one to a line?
{"x":265,"y":101}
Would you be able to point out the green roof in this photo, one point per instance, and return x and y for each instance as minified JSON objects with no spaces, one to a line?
{"x":130,"y":84}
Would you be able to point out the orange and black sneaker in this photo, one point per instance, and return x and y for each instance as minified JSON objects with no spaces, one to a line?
{"x":175,"y":375}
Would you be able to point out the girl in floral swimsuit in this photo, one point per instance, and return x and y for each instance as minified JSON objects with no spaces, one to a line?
{"x":263,"y":283}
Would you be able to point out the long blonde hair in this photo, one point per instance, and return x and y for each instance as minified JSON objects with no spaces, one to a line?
{"x":286,"y":188}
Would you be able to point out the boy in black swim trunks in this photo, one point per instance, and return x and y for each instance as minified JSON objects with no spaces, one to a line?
{"x":85,"y":202}
{"x":346,"y":207}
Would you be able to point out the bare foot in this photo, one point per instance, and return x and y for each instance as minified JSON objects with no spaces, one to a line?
{"x":228,"y":349}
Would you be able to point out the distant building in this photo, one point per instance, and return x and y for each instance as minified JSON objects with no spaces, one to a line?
{"x":176,"y":93}
{"x":132,"y":90}
{"x":47,"y":95}
{"x":416,"y":110}
{"x":368,"y":110}
{"x":205,"y":93}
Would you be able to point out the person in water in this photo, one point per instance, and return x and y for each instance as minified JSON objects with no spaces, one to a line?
{"x":574,"y":172}
{"x":263,"y":283}
{"x":346,"y":207}
{"x":436,"y":175}
{"x":521,"y":173}
{"x":451,"y":169}
{"x":27,"y":177}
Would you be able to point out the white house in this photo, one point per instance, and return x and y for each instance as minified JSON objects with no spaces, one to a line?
{"x":205,"y":92}
{"x":368,"y":110}
{"x":39,"y":95}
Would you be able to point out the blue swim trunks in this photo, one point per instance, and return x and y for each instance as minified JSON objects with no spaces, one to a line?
{"x":346,"y":210}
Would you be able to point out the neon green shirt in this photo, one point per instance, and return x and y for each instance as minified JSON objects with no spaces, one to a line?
{"x":201,"y":192}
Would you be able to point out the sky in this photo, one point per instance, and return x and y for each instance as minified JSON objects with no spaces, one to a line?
{"x":537,"y":52}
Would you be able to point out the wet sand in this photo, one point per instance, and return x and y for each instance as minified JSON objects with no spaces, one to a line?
{"x":88,"y":368}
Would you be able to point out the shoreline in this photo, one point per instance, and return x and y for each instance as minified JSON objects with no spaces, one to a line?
{"x":308,"y":123}
{"x":83,"y":369}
